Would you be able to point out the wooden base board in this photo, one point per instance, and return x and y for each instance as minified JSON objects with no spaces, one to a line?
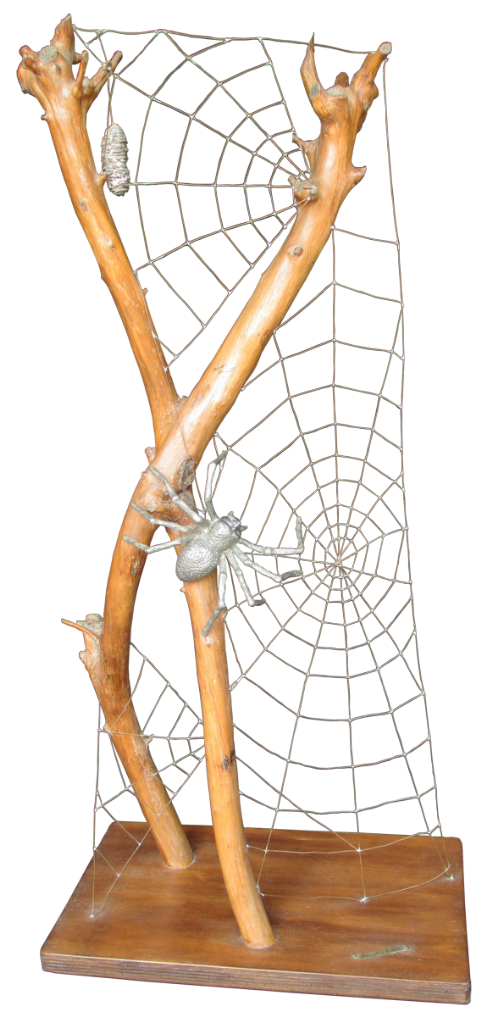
{"x":175,"y":925}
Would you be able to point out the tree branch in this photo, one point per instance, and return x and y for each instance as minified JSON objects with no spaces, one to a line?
{"x":48,"y":76}
{"x":132,"y":747}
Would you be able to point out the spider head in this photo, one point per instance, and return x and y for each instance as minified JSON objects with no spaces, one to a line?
{"x":235,"y":524}
{"x":225,"y":531}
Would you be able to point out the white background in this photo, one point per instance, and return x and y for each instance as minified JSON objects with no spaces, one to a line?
{"x":75,"y":424}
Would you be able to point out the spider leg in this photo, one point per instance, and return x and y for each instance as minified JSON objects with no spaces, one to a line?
{"x":180,"y":502}
{"x":210,"y":477}
{"x":278,"y":551}
{"x":242,"y":581}
{"x":154,"y":547}
{"x":221,"y":605}
{"x":252,"y":564}
{"x":161,"y":522}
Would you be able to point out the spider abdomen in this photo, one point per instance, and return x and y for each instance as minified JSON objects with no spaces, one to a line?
{"x":196,"y":560}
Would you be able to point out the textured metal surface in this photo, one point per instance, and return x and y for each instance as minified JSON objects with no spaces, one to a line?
{"x":114,"y":160}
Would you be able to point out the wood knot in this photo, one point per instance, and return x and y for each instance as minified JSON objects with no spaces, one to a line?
{"x":228,"y":761}
{"x":186,"y":474}
{"x":304,"y":190}
{"x":91,"y":625}
{"x":47,"y":54}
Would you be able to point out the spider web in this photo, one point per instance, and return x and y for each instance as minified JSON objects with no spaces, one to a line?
{"x":332,"y":731}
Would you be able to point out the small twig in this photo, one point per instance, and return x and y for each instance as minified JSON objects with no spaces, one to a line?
{"x":79,"y":626}
{"x":48,"y":75}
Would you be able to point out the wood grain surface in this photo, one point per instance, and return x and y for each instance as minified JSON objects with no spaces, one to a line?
{"x":176,"y":925}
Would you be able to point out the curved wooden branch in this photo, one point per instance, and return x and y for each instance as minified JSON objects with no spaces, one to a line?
{"x":133,"y":749}
{"x":48,"y":76}
{"x":222,"y":773}
{"x":342,"y":110}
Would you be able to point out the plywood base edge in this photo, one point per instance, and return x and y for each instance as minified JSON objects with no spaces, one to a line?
{"x":241,"y":978}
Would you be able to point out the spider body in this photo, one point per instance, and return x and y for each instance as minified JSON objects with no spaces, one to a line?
{"x":209,"y":542}
{"x":201,"y":555}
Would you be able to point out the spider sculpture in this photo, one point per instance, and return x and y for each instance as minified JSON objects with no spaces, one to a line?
{"x":209,"y":542}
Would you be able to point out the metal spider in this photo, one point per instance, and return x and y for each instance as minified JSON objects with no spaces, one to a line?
{"x":209,"y":542}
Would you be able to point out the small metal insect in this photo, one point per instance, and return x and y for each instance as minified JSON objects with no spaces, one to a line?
{"x":114,"y":154}
{"x":209,"y":542}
